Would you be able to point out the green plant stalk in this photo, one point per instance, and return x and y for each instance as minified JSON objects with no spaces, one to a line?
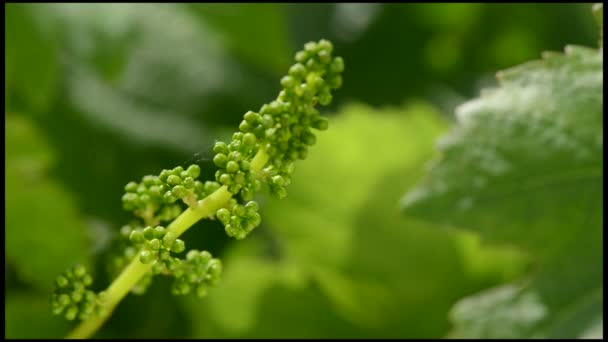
{"x":136,"y":270}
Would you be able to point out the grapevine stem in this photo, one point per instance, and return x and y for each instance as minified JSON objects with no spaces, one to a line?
{"x":136,"y":270}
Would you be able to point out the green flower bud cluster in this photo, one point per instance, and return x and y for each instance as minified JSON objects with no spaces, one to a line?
{"x":283,"y":128}
{"x":240,"y":220}
{"x":196,"y":273}
{"x":160,"y":192}
{"x":157,"y":245}
{"x":234,"y":163}
{"x":71,"y":296}
{"x":278,"y":178}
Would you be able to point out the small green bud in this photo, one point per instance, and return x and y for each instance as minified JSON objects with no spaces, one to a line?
{"x":164,"y":174}
{"x":174,"y":180}
{"x":240,"y":235}
{"x":131,"y":187}
{"x":220,"y":160}
{"x":141,"y":189}
{"x":194,"y":171}
{"x":325,"y":98}
{"x":159,"y":232}
{"x":148,"y":233}
{"x":168,"y":239}
{"x":154,"y":191}
{"x":199,"y":187}
{"x":149,"y":180}
{"x":71,"y":313}
{"x":219,"y":147}
{"x":169,"y":197}
{"x":244,"y":126}
{"x":249,"y":139}
{"x":87,"y":280}
{"x":232,"y":166}
{"x":244,"y":165}
{"x":278,"y":180}
{"x":298,"y":71}
{"x":179,"y":191}
{"x":192,"y":254}
{"x":239,"y":178}
{"x":178,"y":246}
{"x":154,"y":244}
{"x":310,"y":47}
{"x":337,"y":65}
{"x":146,"y":257}
{"x":326,"y":45}
{"x":235,"y":155}
{"x":189,"y":182}
{"x":257,"y":185}
{"x":256,"y":219}
{"x":77,"y":296}
{"x":164,"y":254}
{"x":177,"y":170}
{"x":311,"y":64}
{"x":251,"y":206}
{"x":238,"y":210}
{"x":234,"y":188}
{"x":301,"y":56}
{"x":324,"y":56}
{"x":62,"y":281}
{"x":223,"y":215}
{"x":288,"y":81}
{"x":205,"y":257}
{"x":129,"y":200}
{"x":64,"y":300}
{"x":79,"y":271}
{"x":225,"y":179}
{"x":144,"y":198}
{"x":211,"y":186}
{"x":251,"y":117}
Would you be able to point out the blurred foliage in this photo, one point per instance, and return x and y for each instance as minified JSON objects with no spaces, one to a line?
{"x":101,"y":94}
{"x":524,"y":167}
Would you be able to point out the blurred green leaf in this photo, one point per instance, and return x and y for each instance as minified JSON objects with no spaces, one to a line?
{"x":31,"y":60}
{"x":257,"y":32}
{"x":524,"y":167}
{"x":44,"y":233}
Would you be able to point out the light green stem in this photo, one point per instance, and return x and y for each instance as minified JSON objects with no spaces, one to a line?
{"x":135,"y":270}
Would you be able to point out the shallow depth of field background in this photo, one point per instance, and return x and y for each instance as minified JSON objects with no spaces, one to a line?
{"x":98,"y":95}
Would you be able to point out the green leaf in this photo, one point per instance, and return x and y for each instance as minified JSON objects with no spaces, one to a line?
{"x":257,"y":32}
{"x":44,"y":233}
{"x":524,"y":167}
{"x":355,"y":262}
{"x":31,"y":60}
